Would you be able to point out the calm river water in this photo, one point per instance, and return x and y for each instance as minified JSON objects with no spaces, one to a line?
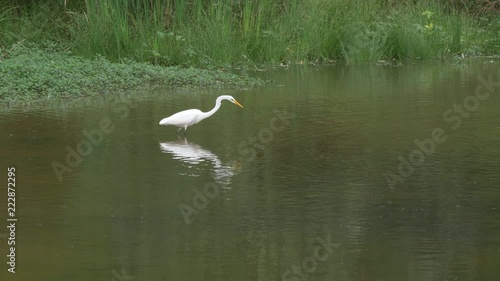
{"x":329,"y":173}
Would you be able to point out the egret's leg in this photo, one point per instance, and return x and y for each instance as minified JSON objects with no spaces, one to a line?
{"x":178,"y":130}
{"x":185,"y":129}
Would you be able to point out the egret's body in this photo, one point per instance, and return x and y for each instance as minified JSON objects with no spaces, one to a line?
{"x":190,"y":117}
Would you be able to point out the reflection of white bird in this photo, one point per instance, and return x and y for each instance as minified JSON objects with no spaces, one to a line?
{"x":194,"y":154}
{"x":188,"y":152}
{"x":190,"y":117}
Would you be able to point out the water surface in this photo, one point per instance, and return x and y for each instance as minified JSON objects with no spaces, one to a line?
{"x":306,"y":161}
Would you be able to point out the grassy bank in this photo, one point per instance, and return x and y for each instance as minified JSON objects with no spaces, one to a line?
{"x":103,"y":45}
{"x":29,"y":74}
{"x":254,"y":32}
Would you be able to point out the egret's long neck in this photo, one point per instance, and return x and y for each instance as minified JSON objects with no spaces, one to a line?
{"x":211,"y":112}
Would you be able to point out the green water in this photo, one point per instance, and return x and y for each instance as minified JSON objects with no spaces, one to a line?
{"x":318,"y":178}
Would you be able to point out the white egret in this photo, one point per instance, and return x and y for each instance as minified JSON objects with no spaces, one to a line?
{"x":190,"y":117}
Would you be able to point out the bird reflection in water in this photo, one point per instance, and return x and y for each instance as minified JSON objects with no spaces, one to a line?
{"x":196,"y":156}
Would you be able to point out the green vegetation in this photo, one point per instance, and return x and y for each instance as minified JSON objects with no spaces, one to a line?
{"x":224,"y":32}
{"x":29,"y":73}
{"x":216,"y":34}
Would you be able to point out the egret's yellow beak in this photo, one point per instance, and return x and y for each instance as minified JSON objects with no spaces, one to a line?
{"x":238,"y":104}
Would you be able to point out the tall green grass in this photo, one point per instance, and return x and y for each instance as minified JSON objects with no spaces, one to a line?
{"x":214,"y":33}
{"x":38,"y":22}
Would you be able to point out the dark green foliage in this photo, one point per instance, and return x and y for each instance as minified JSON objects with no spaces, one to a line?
{"x":254,"y":32}
{"x":29,"y":73}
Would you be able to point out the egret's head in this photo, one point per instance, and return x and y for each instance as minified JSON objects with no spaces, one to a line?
{"x":231,"y":99}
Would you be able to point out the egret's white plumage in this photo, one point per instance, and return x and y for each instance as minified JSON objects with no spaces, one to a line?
{"x":190,"y":117}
